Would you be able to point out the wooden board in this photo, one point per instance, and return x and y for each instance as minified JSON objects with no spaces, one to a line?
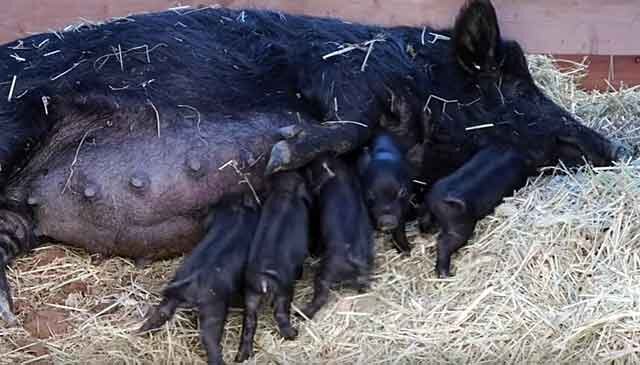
{"x":543,"y":26}
{"x":606,"y":72}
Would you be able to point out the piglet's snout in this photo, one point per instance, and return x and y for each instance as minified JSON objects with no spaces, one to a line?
{"x":387,"y":222}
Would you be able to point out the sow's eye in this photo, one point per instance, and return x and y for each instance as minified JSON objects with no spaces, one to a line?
{"x":371,"y":196}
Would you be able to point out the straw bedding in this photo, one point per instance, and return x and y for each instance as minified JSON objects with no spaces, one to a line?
{"x":553,"y":276}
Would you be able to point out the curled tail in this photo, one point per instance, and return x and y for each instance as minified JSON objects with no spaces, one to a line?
{"x":263,"y":282}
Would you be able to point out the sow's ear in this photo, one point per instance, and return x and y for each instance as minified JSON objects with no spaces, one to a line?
{"x":477,"y":37}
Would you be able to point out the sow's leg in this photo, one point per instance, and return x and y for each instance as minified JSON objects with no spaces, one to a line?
{"x":302,"y":144}
{"x":599,"y":150}
{"x":352,"y":101}
{"x":16,"y":237}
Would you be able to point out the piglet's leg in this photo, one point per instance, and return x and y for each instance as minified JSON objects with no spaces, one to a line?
{"x":400,"y":239}
{"x":250,"y":322}
{"x":425,"y":219}
{"x":282,"y":314}
{"x":212,"y":319}
{"x":457,"y":227}
{"x":320,"y":296}
{"x":310,"y":141}
{"x":457,"y":222}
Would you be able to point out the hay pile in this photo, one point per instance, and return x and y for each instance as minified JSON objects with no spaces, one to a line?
{"x":552,"y":277}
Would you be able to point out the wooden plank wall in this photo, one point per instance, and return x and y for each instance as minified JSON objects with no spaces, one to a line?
{"x":562,"y":27}
{"x":609,"y":71}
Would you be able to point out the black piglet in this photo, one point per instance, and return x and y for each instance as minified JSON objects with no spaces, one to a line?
{"x":277,"y":255}
{"x":213,"y":273}
{"x":345,"y":231}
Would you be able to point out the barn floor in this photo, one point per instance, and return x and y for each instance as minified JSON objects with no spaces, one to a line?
{"x":552,"y":277}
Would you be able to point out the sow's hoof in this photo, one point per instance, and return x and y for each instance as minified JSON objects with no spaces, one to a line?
{"x":304,"y":143}
{"x":6,"y":303}
{"x":6,"y":310}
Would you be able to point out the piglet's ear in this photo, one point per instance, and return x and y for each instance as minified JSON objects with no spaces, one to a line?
{"x":456,"y":204}
{"x":477,"y":37}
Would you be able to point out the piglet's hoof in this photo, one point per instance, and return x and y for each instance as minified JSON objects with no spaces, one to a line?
{"x":216,"y":360}
{"x":279,"y":159}
{"x":243,"y":356}
{"x":310,"y":311}
{"x":362,"y":285}
{"x":307,"y":313}
{"x":404,"y":253}
{"x":620,"y":152}
{"x":402,"y":246}
{"x":443,"y":273}
{"x":289,"y":333}
{"x":142,"y":262}
{"x":443,"y":268}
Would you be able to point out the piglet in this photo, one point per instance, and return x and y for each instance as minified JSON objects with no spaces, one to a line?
{"x":277,"y":254}
{"x":459,"y":200}
{"x":386,"y":180}
{"x":345,"y":231}
{"x":213,"y":273}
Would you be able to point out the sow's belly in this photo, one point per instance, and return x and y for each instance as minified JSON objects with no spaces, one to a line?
{"x":144,"y":196}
